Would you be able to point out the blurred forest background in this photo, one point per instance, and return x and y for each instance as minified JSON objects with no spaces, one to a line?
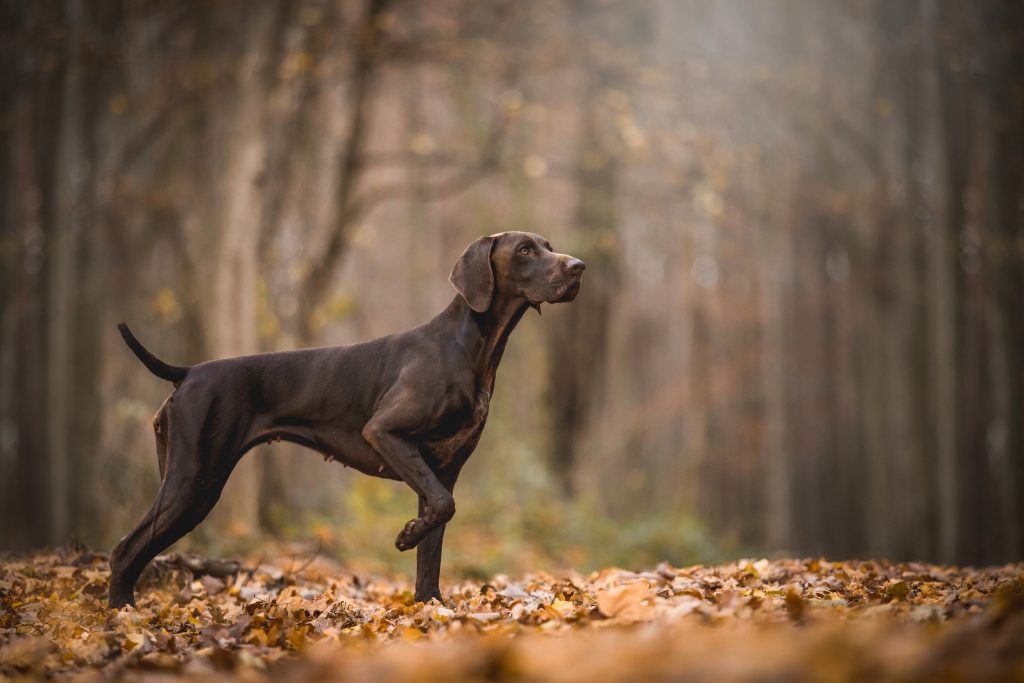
{"x":801,"y":329}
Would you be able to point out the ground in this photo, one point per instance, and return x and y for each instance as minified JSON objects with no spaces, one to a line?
{"x":295,"y":618}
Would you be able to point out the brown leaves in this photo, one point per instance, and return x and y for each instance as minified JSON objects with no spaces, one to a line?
{"x":25,"y":652}
{"x":807,"y":619}
{"x":897,"y":590}
{"x":628,"y":604}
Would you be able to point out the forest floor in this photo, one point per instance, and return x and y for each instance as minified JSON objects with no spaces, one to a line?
{"x":310,"y":619}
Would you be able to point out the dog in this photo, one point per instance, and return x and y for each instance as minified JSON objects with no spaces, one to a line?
{"x":410,"y":406}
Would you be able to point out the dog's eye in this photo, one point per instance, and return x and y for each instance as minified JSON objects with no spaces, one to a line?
{"x":525,"y":250}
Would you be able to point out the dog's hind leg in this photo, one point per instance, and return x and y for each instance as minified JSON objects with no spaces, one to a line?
{"x":181,"y":504}
{"x":192,"y":484}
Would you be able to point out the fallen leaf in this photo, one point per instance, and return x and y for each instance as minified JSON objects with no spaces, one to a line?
{"x":627,"y":603}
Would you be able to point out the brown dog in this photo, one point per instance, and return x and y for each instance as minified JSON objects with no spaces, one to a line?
{"x":409,"y":406}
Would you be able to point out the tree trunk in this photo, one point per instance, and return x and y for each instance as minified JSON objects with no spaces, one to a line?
{"x":578,"y":340}
{"x":230,"y":321}
{"x":1005,"y":173}
{"x":776,"y":264}
{"x":65,"y":239}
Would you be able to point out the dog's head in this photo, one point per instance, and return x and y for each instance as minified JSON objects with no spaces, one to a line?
{"x":515,"y":265}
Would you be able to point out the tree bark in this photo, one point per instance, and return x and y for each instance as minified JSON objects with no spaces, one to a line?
{"x":230,"y":313}
{"x":578,"y":340}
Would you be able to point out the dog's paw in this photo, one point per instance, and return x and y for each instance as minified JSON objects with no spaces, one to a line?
{"x":120,"y":599}
{"x":410,"y":535}
{"x":427,"y":596}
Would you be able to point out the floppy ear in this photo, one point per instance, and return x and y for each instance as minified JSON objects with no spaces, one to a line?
{"x":473,"y":276}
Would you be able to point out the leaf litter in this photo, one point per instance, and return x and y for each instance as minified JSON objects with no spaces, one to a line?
{"x":751,"y":620}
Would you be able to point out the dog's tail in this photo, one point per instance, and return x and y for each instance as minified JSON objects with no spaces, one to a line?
{"x":171,"y":373}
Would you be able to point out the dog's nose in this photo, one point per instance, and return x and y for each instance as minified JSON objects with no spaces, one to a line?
{"x":575,"y":266}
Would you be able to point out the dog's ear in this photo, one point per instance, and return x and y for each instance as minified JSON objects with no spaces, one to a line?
{"x":473,"y":276}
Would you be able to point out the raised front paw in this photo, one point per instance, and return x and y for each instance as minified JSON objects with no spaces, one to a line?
{"x":411,"y":534}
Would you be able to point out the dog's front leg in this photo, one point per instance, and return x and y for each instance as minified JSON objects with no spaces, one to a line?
{"x":428,"y":552}
{"x":382,"y":432}
{"x":428,"y":563}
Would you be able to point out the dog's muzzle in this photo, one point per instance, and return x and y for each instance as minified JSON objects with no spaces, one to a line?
{"x":572,"y":279}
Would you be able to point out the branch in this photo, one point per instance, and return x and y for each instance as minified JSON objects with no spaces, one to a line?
{"x":487,"y":163}
{"x":367,"y":59}
{"x":203,"y":566}
{"x":856,"y":139}
{"x":406,"y":159}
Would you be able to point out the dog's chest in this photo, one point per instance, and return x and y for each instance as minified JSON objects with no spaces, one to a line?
{"x":467,"y":430}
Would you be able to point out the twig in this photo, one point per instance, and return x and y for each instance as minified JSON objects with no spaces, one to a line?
{"x":316,"y":554}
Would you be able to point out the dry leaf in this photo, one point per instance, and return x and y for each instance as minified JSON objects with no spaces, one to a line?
{"x":743,"y":621}
{"x":25,"y":653}
{"x":627,"y":603}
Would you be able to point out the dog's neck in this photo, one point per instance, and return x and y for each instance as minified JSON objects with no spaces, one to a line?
{"x":483,"y":335}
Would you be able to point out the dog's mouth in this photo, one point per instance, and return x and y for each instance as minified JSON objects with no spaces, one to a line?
{"x":562,"y":288}
{"x":567,"y":291}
